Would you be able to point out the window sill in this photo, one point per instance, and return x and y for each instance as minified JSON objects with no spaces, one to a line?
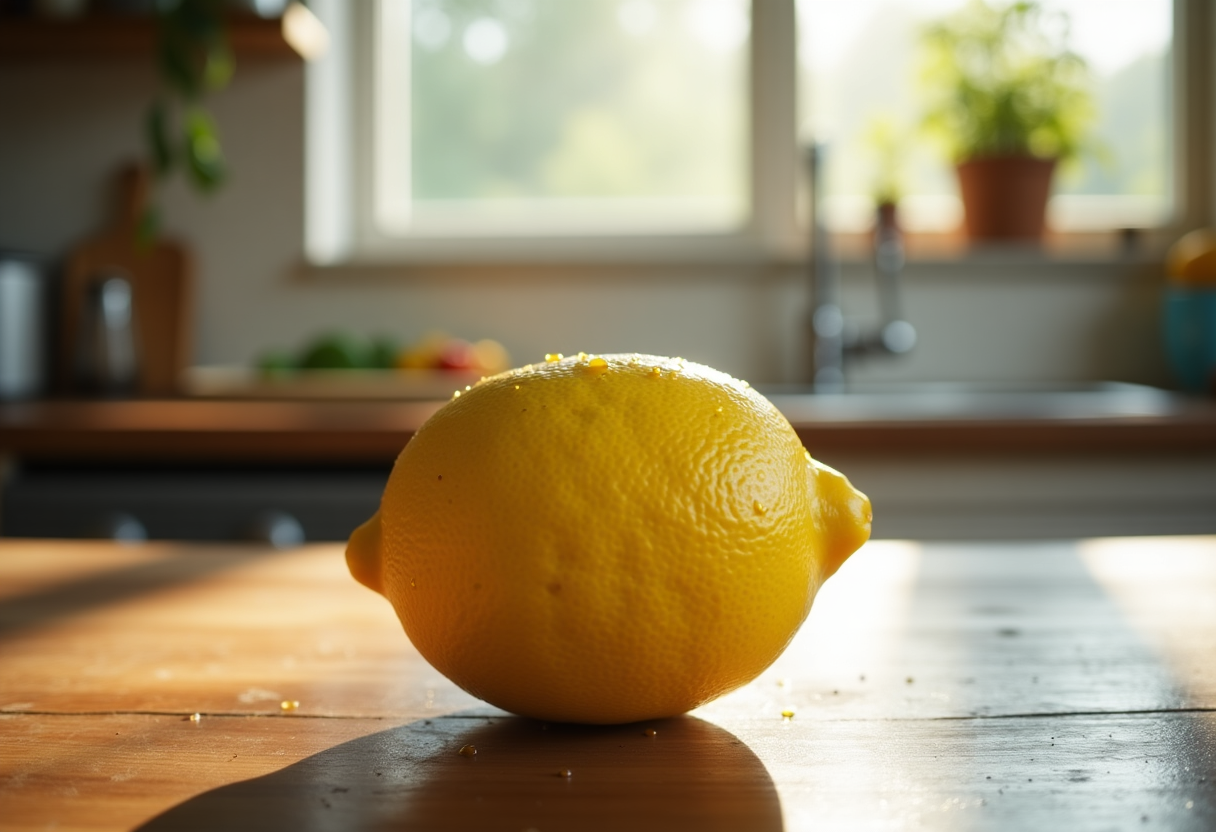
{"x":731,"y":256}
{"x":740,"y":249}
{"x":1138,"y":247}
{"x":695,"y":269}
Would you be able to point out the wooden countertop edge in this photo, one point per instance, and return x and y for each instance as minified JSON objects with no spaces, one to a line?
{"x":1123,"y":435}
{"x":375,"y":432}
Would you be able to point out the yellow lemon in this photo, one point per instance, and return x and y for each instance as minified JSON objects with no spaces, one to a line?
{"x":606,"y":539}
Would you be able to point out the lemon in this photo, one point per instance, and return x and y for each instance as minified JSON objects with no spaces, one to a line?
{"x":606,"y":539}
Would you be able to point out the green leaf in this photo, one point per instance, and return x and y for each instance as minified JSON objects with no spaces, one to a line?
{"x":192,"y":57}
{"x":147,"y":229}
{"x":177,"y":67}
{"x":204,"y":156}
{"x":219,"y":66}
{"x":158,"y":138}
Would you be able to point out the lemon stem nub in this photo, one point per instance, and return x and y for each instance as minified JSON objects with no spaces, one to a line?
{"x":363,"y":554}
{"x":844,"y":516}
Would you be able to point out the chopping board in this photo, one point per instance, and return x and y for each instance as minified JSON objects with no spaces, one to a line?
{"x":161,"y":274}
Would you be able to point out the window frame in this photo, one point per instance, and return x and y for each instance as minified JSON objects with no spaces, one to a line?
{"x":339,"y":159}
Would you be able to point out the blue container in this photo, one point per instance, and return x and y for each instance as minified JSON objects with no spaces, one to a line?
{"x":1190,"y":337}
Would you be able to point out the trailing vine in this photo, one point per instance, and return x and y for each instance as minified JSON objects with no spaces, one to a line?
{"x":193,"y":58}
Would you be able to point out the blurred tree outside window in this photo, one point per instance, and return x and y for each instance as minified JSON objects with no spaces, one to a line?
{"x":857,"y":63}
{"x":552,"y":116}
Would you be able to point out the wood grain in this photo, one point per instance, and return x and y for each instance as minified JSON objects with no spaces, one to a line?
{"x":1011,"y":686}
{"x":163,"y":773}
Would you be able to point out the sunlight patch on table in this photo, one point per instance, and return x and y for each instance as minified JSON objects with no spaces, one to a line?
{"x":833,"y":666}
{"x":1166,"y":589}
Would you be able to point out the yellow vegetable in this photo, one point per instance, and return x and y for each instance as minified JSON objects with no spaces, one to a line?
{"x":606,"y":539}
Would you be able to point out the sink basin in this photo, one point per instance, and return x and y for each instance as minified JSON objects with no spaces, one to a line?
{"x":951,"y":401}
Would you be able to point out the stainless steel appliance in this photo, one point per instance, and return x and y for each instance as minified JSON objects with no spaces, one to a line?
{"x":23,"y":347}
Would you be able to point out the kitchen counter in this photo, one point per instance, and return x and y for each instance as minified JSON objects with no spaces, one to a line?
{"x":997,"y":686}
{"x":1123,"y":418}
{"x":939,"y":461}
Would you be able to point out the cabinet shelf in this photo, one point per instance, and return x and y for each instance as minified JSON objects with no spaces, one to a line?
{"x":94,"y":37}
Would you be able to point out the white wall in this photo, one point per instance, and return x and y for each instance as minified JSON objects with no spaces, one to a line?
{"x":65,"y":128}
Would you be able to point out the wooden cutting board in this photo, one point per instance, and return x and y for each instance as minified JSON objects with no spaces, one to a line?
{"x":162,"y":281}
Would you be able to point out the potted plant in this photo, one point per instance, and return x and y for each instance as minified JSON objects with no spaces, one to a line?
{"x":884,"y":137}
{"x":1010,"y":101}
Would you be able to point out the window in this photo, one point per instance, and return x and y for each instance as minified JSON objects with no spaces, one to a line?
{"x":860,"y":92}
{"x":671,"y":129}
{"x":598,"y":129}
{"x":599,"y":116}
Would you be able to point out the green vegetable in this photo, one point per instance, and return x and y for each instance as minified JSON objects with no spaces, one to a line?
{"x":335,"y":351}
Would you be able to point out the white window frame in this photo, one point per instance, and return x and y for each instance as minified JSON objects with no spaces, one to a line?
{"x":340,"y":230}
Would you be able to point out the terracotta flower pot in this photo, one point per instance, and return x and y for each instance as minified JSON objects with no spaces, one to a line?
{"x":1005,"y":197}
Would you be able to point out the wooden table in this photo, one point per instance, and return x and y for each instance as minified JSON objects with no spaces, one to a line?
{"x":1064,"y":686}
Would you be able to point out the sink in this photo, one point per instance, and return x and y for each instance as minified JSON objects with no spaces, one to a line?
{"x":959,"y":401}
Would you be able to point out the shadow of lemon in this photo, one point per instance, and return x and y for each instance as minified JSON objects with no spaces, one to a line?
{"x":525,"y":775}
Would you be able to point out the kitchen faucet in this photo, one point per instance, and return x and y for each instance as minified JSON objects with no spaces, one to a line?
{"x":833,"y":339}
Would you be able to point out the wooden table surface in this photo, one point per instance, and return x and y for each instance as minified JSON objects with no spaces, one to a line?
{"x":1063,"y":686}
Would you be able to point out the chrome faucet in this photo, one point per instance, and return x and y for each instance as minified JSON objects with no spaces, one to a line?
{"x":833,"y":338}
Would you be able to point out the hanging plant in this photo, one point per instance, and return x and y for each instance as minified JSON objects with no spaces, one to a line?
{"x":193,"y":58}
